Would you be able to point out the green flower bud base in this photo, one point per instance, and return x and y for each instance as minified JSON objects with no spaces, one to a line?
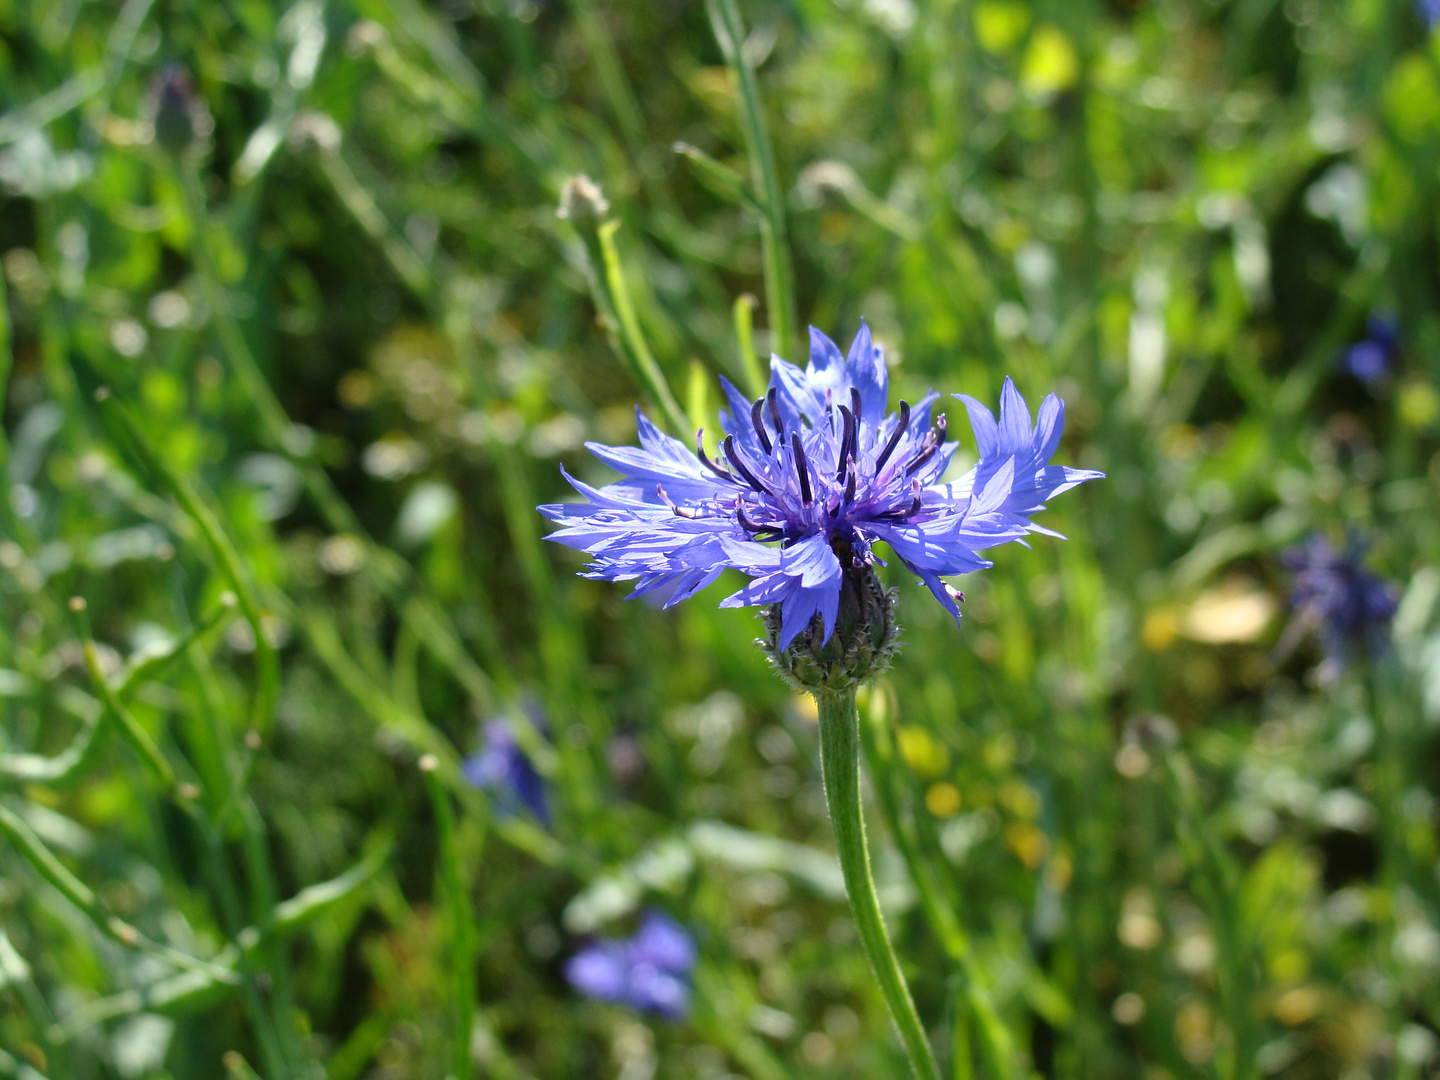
{"x":861,"y":647}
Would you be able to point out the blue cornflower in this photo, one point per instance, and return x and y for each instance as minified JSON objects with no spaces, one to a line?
{"x":1371,"y":358}
{"x":807,"y":480}
{"x":649,"y":972}
{"x":1333,"y":594}
{"x":1429,"y":11}
{"x":501,"y":768}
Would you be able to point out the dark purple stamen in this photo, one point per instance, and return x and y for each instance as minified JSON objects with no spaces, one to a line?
{"x":772,"y":401}
{"x":734,"y":456}
{"x":757,"y":417}
{"x":940,"y":430}
{"x":849,"y":433}
{"x":855,"y":403}
{"x":724,"y":474}
{"x":850,"y":483}
{"x":921,"y":458}
{"x":900,"y":427}
{"x":908,"y":512}
{"x":800,"y":470}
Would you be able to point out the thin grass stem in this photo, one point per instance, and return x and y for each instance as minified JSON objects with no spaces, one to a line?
{"x":779,"y":272}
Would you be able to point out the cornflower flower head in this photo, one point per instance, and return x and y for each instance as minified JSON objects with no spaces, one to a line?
{"x":1332,"y":594}
{"x":649,"y":971}
{"x":1429,"y":10}
{"x":1371,"y":358}
{"x":501,"y":768}
{"x":807,"y":480}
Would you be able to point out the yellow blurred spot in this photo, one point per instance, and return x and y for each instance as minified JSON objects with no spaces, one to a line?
{"x":1058,"y":872}
{"x":1028,"y":843}
{"x":1050,"y":63}
{"x":1020,"y":799}
{"x":1236,"y":612}
{"x":805,"y":708}
{"x":1419,"y":404}
{"x":921,"y":751}
{"x":1160,"y":628}
{"x":1000,"y":25}
{"x":1192,"y":1029}
{"x":1296,"y":1006}
{"x":943,"y":799}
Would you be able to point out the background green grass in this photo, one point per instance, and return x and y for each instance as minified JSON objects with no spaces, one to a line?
{"x":347,"y":344}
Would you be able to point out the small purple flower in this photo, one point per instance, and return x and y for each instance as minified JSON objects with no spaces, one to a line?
{"x":1371,"y":358}
{"x":1333,"y":594}
{"x":808,"y":479}
{"x":649,"y":972}
{"x":501,"y":768}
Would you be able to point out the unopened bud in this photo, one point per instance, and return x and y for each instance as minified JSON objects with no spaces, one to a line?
{"x":177,"y":113}
{"x":583,"y":204}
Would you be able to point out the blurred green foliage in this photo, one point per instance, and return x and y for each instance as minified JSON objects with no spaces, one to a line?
{"x":347,"y":341}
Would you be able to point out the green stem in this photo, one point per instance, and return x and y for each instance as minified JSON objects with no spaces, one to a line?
{"x":779,"y":272}
{"x":974,"y":990}
{"x":840,"y":766}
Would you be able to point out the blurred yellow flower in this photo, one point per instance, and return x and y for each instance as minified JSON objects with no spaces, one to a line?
{"x":922,"y":751}
{"x":1050,"y":63}
{"x":943,"y":799}
{"x":998,"y":26}
{"x":1028,"y":843}
{"x":1160,"y":629}
{"x":1298,"y":1005}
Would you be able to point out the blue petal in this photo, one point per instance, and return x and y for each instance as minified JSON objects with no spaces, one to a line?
{"x":982,"y":420}
{"x":1015,"y":432}
{"x":663,"y":942}
{"x":865,"y":367}
{"x":600,"y":972}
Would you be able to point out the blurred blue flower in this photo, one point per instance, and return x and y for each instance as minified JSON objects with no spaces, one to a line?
{"x":1332,"y":594}
{"x":1371,"y":358}
{"x":649,"y":972}
{"x":819,"y":466}
{"x":501,"y":768}
{"x":1429,"y":11}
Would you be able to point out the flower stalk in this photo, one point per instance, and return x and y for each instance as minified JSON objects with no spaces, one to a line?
{"x":840,"y":767}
